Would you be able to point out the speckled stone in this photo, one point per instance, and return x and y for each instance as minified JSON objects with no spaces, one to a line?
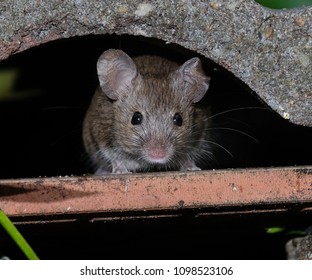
{"x":299,"y":248}
{"x":269,"y":50}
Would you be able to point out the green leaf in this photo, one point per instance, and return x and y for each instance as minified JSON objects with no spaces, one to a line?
{"x":273,"y":230}
{"x":284,"y":4}
{"x":17,"y":237}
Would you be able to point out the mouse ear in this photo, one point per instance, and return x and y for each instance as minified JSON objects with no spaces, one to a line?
{"x":116,"y":71}
{"x":193,"y":79}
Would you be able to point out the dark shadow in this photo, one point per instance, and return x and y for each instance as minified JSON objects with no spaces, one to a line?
{"x":41,"y":123}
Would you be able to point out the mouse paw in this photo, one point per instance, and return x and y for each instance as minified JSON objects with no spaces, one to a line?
{"x":189,"y":165}
{"x":118,"y":167}
{"x":101,"y":171}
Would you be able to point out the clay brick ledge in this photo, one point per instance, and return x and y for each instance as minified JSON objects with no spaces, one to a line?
{"x":271,"y":188}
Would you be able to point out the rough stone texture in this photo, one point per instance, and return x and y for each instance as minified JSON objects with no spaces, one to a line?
{"x":299,"y":248}
{"x":270,"y":50}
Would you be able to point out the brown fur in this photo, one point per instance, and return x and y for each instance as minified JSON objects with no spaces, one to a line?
{"x":157,"y":92}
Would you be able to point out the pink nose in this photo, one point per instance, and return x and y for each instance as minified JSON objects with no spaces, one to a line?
{"x":157,"y":152}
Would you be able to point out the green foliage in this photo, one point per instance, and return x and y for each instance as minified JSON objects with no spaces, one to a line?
{"x":8,"y":78}
{"x":17,"y":237}
{"x":281,"y":4}
{"x":275,"y":230}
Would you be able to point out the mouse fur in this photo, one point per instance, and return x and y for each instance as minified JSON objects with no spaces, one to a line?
{"x":144,"y":115}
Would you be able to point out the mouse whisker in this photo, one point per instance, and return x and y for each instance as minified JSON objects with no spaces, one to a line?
{"x":235,"y":109}
{"x":225,"y":112}
{"x":65,"y":136}
{"x":233,"y":129}
{"x":216,"y":144}
{"x":198,"y":152}
{"x":61,"y":107}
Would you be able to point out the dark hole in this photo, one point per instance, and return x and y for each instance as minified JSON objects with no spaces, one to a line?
{"x":41,"y":126}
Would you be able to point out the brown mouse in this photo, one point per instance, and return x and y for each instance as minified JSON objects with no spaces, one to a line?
{"x":144,"y":116}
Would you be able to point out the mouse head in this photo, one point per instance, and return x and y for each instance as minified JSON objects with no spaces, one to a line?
{"x":153,"y":116}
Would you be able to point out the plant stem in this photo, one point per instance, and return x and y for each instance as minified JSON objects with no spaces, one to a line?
{"x":17,"y":237}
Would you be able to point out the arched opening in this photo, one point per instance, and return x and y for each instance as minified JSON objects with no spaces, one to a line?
{"x":42,"y":115}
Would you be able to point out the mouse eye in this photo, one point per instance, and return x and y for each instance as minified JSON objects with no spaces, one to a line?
{"x":177,"y":119}
{"x":137,"y":118}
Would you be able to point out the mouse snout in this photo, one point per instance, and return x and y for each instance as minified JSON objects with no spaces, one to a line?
{"x":157,"y":152}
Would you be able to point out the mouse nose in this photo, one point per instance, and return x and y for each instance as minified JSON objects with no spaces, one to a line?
{"x":157,"y":153}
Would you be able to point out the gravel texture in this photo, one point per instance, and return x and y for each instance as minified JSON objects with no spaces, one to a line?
{"x":269,"y":50}
{"x":299,"y":248}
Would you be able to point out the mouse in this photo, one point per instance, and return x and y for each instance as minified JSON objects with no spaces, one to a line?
{"x":144,"y":115}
